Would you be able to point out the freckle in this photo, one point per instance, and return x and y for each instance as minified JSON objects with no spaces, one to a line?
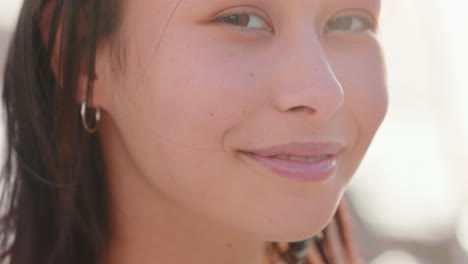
{"x":251,"y":74}
{"x":244,"y":112}
{"x":211,"y":114}
{"x":270,"y":221}
{"x":229,"y":245}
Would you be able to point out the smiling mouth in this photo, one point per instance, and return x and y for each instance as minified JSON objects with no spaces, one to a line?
{"x":299,"y":162}
{"x":301,"y":159}
{"x":294,"y":168}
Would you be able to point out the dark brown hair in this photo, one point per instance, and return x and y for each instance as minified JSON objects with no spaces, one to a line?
{"x":54,"y":185}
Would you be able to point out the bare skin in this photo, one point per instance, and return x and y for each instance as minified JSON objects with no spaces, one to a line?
{"x":197,"y":91}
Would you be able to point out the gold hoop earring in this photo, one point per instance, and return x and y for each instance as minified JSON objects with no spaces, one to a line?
{"x":97,"y":118}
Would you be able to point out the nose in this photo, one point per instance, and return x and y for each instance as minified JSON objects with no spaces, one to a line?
{"x":305,"y":82}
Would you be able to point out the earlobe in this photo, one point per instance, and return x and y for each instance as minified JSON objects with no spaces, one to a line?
{"x":92,"y":85}
{"x":82,"y":88}
{"x":86,"y":88}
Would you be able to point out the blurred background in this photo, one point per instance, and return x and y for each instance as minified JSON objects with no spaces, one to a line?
{"x":410,"y":196}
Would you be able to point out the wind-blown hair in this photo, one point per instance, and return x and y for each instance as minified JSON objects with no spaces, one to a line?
{"x":54,"y":198}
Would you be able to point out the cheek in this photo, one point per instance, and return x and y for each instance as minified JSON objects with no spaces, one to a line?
{"x":194,"y":92}
{"x":363,"y":77}
{"x":361,"y":72}
{"x":368,"y":99}
{"x":178,"y":86}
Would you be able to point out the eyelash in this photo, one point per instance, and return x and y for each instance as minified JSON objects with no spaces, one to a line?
{"x":266,"y":27}
{"x":349,"y":20}
{"x":364,"y":23}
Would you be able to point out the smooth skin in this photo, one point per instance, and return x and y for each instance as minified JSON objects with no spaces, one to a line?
{"x":184,"y":86}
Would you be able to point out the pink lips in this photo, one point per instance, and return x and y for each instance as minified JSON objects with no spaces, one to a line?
{"x":321,"y":165}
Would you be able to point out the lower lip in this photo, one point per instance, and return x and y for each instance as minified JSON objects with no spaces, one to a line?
{"x":299,"y":171}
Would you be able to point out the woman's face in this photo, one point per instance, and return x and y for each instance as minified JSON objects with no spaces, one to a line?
{"x":252,"y":113}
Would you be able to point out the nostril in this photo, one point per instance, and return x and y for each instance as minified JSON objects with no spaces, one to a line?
{"x":302,"y":108}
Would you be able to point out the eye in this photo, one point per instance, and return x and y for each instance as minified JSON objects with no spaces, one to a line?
{"x":350,"y":24}
{"x":249,"y":21}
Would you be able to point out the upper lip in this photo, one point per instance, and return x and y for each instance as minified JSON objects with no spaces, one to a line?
{"x":311,"y":149}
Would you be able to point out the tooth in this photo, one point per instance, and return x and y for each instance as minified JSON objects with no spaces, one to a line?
{"x":305,"y":159}
{"x":299,"y":158}
{"x":315,"y":159}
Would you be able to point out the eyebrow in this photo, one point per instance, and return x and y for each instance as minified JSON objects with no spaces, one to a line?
{"x":372,"y":4}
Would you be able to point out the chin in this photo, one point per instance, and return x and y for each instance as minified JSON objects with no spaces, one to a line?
{"x":297,"y":227}
{"x":298,"y":233}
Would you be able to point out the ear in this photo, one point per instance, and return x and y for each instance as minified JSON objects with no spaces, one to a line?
{"x":100,"y":82}
{"x":98,"y":79}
